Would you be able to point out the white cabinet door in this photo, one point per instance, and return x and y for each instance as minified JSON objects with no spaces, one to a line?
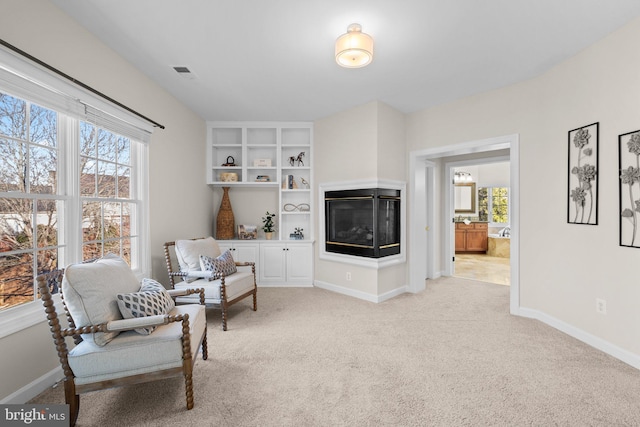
{"x":241,"y":251}
{"x":299,"y":263}
{"x":273,"y":263}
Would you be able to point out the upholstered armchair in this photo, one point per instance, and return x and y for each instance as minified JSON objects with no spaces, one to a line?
{"x":125,"y":332}
{"x":202,"y":265}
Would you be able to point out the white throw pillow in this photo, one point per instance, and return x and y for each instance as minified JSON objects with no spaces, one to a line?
{"x":188,"y":252}
{"x":90,"y":293}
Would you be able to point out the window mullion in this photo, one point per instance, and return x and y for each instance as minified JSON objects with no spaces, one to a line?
{"x":70,"y":186}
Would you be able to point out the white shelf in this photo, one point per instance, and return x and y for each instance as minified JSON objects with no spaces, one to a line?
{"x":273,"y":141}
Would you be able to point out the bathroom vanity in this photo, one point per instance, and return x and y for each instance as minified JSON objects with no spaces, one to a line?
{"x":471,"y":237}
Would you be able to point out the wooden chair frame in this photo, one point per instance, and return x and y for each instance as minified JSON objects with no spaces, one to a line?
{"x":224,"y":304}
{"x":72,"y":390}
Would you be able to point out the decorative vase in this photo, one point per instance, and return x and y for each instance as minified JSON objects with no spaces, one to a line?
{"x":225,"y":223}
{"x":268,"y":235}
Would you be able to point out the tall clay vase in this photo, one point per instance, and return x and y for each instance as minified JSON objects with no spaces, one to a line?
{"x":225,"y":224}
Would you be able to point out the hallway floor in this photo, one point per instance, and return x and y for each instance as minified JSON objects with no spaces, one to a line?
{"x":483,"y":267}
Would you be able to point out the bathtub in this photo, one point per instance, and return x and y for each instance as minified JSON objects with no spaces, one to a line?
{"x":499,"y":246}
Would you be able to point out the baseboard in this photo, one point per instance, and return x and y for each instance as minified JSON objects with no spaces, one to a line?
{"x":359,"y":294}
{"x":34,"y":388}
{"x":587,"y":338}
{"x":285,"y":285}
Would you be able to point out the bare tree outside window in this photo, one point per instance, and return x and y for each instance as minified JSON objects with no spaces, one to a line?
{"x":105,"y":186}
{"x":31,"y":201}
{"x":28,"y":202}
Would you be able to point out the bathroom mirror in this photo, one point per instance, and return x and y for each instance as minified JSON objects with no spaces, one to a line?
{"x":465,"y":198}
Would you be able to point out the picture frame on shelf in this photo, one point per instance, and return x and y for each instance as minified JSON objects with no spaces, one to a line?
{"x":247,"y":232}
{"x":262,"y":163}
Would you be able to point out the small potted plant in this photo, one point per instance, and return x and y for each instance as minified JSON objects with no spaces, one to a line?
{"x":268,"y":225}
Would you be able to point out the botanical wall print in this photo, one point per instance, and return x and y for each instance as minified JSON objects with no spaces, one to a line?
{"x":629,"y":164}
{"x":582,"y":207}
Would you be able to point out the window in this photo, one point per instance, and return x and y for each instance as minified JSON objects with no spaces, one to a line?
{"x":493,"y":204}
{"x":29,"y":197}
{"x":41,"y":188}
{"x":105,"y":193}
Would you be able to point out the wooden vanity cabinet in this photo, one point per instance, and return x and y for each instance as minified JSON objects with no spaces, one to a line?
{"x":471,"y":237}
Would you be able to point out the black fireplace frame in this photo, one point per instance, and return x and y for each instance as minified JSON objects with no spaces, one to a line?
{"x":376,"y":195}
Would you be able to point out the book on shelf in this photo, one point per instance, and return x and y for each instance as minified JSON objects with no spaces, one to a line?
{"x":289,"y":183}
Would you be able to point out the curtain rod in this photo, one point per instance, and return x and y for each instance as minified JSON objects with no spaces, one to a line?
{"x":77,"y":82}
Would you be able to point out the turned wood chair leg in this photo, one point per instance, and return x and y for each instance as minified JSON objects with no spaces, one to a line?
{"x":255,"y":289}
{"x":224,"y":316}
{"x":205,"y":350}
{"x":188,"y":382}
{"x":73,"y":400}
{"x":223,"y":304}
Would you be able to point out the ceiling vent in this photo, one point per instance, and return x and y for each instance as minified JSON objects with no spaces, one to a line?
{"x":184,"y":72}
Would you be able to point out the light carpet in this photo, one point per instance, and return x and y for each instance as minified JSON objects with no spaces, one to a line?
{"x":451,"y":355}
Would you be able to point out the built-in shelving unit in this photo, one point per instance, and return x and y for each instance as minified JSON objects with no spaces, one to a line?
{"x":265,"y":154}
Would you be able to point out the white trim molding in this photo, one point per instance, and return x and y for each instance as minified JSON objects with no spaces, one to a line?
{"x":587,"y":338}
{"x":359,"y":294}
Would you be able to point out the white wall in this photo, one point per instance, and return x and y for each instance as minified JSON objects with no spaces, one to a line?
{"x":364,"y":143}
{"x":179,"y":198}
{"x":563,"y":267}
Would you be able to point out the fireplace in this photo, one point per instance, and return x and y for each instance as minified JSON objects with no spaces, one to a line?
{"x":364,"y":222}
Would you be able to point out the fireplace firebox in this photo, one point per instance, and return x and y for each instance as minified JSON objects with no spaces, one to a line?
{"x":364,"y":222}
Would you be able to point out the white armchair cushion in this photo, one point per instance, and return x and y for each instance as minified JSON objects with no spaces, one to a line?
{"x":188,"y":252}
{"x":90,"y":292}
{"x":235,"y":285}
{"x":151,"y":300}
{"x":121,"y":357}
{"x":224,"y":265}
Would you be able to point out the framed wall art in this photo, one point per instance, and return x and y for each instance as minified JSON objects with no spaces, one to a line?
{"x":629,"y":188}
{"x":582,"y":205}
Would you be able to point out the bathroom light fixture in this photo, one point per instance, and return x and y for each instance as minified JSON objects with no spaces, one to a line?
{"x":462,"y":177}
{"x":354,"y":49}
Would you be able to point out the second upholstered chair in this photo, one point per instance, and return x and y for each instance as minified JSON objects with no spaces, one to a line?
{"x":202,"y":265}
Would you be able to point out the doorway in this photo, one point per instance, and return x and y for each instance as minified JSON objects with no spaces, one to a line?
{"x":431,"y":242}
{"x":480,"y":211}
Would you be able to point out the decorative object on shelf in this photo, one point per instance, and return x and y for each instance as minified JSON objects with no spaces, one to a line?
{"x":262,"y":163}
{"x":354,"y":49}
{"x":298,"y":159}
{"x":302,"y":207}
{"x":289,"y":183}
{"x":628,"y":156}
{"x":229,"y":177}
{"x":230,"y":161}
{"x":225,"y":223}
{"x":267,"y":225}
{"x":582,"y":202}
{"x":304,"y":182}
{"x":297,"y":234}
{"x":247,"y":232}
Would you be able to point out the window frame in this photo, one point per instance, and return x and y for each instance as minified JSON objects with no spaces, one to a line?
{"x":492,"y":223}
{"x":20,"y":317}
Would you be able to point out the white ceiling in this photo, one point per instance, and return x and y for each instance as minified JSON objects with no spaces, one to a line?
{"x":274,"y":59}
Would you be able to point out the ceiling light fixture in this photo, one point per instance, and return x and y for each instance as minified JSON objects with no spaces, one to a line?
{"x":355,"y":48}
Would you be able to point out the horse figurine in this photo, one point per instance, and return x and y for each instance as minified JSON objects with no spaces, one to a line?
{"x":298,"y":159}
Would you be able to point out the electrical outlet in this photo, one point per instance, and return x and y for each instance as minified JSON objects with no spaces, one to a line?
{"x":601,"y":306}
{"x":348,"y":276}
